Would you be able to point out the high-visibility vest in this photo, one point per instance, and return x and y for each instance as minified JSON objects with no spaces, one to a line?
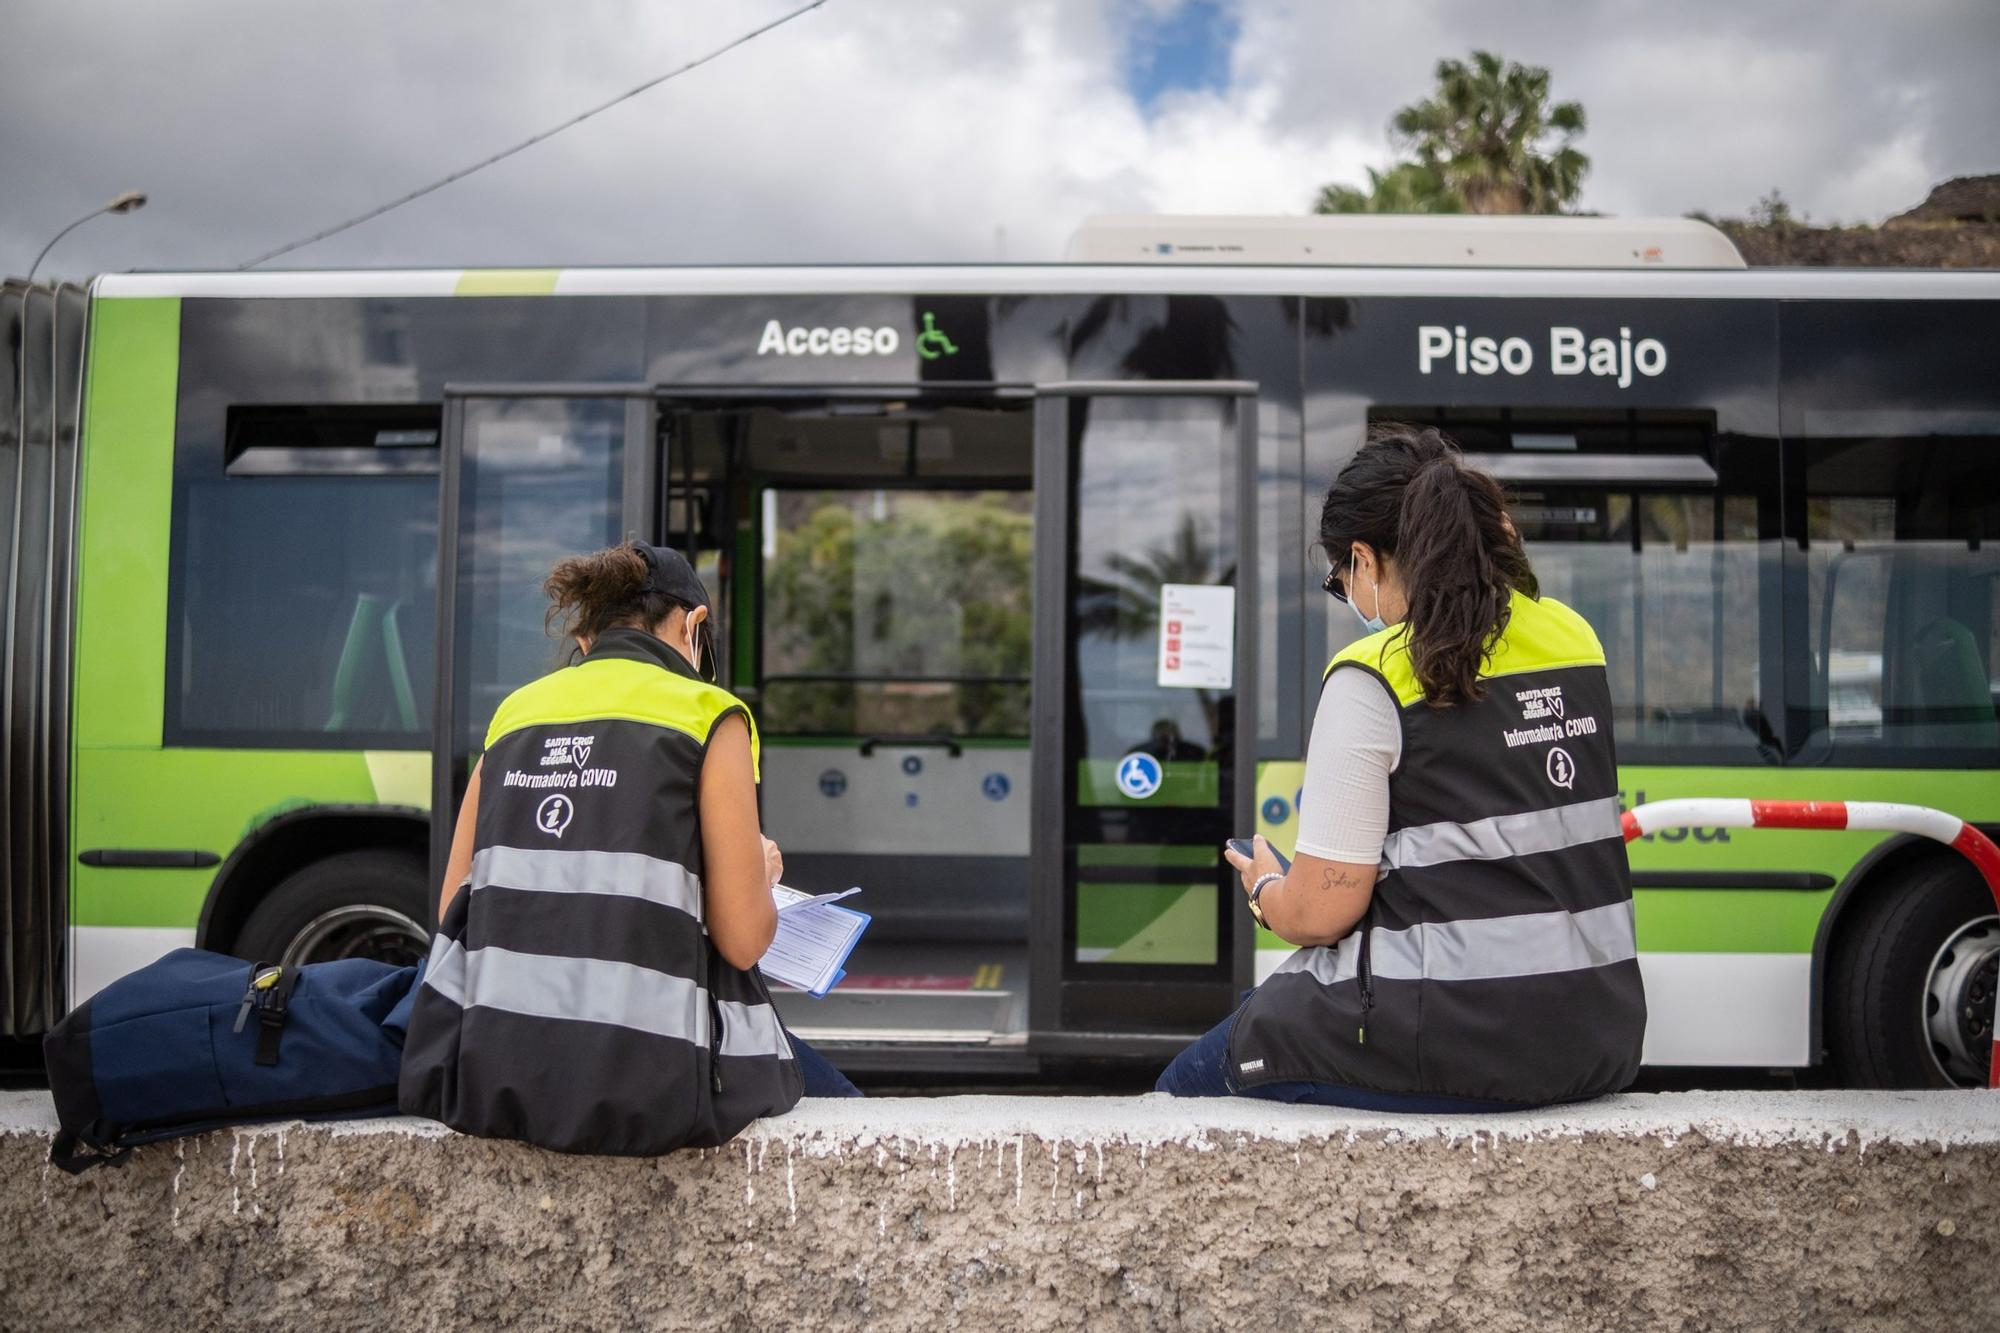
{"x":573,"y":998}
{"x":1497,"y":959}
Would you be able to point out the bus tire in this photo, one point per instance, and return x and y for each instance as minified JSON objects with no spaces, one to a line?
{"x":363,"y":904}
{"x":1888,"y":968}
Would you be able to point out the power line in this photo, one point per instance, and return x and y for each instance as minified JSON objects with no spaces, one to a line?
{"x":532,"y":140}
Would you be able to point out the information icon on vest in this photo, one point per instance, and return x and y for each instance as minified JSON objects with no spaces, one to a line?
{"x":552,"y":816}
{"x":1138,"y":775}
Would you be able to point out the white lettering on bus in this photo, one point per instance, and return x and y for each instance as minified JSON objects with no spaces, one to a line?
{"x":1432,"y":343}
{"x":1478,"y":355}
{"x":781,"y":341}
{"x":1570,"y":353}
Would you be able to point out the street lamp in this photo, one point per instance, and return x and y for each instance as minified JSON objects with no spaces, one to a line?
{"x":124,"y":203}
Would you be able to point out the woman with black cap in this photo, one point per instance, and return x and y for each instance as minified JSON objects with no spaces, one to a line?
{"x":593,"y":985}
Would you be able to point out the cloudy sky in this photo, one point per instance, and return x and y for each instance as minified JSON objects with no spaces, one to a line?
{"x":911,"y":129}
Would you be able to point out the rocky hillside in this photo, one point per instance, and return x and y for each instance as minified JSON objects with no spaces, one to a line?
{"x":1958,"y":226}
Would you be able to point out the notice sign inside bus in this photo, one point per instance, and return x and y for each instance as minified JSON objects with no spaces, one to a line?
{"x":1197,"y":636}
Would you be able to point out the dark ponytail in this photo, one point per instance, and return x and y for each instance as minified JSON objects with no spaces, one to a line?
{"x":606,"y":589}
{"x":1409,"y":494}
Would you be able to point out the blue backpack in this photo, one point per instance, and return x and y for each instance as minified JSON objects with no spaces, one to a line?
{"x":200,"y":1040}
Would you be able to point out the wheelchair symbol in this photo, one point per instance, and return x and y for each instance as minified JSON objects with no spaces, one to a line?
{"x":1138,"y":775}
{"x":932,"y":343}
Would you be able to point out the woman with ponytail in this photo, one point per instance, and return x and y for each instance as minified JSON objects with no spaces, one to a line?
{"x":593,"y":984}
{"x":1460,"y":900}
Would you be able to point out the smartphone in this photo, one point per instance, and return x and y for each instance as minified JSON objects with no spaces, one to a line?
{"x":1245,"y":847}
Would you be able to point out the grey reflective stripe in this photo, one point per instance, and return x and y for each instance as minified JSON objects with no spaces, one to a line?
{"x":1503,"y":836}
{"x":1329,"y":964}
{"x":622,"y":874}
{"x":445,"y":971}
{"x":586,"y":990}
{"x":752,"y":1029}
{"x":1480,"y":950}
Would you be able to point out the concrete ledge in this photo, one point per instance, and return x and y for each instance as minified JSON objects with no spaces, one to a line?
{"x":1687,"y":1210}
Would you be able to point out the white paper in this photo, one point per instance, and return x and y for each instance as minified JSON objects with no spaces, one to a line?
{"x":791,"y":899}
{"x":1197,"y":636}
{"x":813,"y":940}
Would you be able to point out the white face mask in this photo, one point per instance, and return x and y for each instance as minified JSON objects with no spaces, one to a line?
{"x":701,"y":648}
{"x":693,"y":645}
{"x":1373,"y":624}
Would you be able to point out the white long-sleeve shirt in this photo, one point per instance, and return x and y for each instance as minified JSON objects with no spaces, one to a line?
{"x":1357,"y":741}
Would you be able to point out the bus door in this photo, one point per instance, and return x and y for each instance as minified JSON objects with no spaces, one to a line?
{"x":880,"y":620}
{"x":531,"y":473}
{"x":1144,"y":663}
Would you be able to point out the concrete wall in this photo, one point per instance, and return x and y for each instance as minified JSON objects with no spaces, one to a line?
{"x":1784,"y":1211}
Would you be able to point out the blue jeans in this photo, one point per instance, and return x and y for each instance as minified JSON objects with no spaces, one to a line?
{"x":822,"y":1079}
{"x":1203,"y":1070}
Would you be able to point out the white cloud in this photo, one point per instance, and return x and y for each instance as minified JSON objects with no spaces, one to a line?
{"x":901,"y":129}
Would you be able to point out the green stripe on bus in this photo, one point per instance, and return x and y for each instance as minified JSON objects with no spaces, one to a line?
{"x":1728,"y":920}
{"x":1709,"y":921}
{"x":127,"y":510}
{"x":1187,"y":784}
{"x":507,"y":282}
{"x":197,"y":800}
{"x":743,"y":609}
{"x":1144,"y":854}
{"x":1146,"y":923}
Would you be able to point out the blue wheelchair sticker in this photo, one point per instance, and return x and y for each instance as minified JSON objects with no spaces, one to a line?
{"x":1277,"y":810}
{"x":1138,"y":775}
{"x":996,"y":786}
{"x":913,"y":764}
{"x":832,"y":783}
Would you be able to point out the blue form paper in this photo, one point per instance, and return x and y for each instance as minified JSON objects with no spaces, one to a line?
{"x":814,"y":939}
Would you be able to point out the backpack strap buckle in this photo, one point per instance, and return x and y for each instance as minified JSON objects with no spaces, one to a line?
{"x":270,"y":994}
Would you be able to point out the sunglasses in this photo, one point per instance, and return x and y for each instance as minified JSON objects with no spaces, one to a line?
{"x":1332,"y":585}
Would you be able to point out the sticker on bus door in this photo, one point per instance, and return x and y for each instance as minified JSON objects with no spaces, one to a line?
{"x":1197,"y":636}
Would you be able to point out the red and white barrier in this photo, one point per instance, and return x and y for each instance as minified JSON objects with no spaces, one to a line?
{"x":1874,"y":816}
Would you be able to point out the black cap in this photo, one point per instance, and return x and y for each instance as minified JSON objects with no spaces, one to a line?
{"x":668,"y":572}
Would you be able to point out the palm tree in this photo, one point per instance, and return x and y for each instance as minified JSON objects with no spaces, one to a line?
{"x":1407,"y":187}
{"x":1493,"y":139}
{"x":1124,"y":603}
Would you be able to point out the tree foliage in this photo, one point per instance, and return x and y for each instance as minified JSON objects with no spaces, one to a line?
{"x":1407,"y":187}
{"x":911,"y":598}
{"x":1487,"y":140}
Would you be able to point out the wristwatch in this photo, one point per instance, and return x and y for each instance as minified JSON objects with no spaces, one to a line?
{"x":1257,"y":891}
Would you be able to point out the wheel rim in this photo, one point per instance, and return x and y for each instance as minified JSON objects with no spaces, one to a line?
{"x":364,"y":930}
{"x":1958,"y":1002}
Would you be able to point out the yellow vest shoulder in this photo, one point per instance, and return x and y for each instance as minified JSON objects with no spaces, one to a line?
{"x":1541,"y":634}
{"x":617,"y":689}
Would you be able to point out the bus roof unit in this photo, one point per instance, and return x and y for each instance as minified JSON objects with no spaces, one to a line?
{"x":1404,"y":240}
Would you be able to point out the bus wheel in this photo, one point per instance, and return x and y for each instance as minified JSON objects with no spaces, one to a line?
{"x":366,"y":904}
{"x":1912,"y":984}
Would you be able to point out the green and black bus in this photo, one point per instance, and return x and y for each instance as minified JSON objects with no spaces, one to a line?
{"x":1015,"y":566}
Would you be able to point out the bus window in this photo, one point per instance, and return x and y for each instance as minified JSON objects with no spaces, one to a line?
{"x":897,"y":613}
{"x":1903,"y":583}
{"x":1661,"y":533}
{"x":303,"y":586}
